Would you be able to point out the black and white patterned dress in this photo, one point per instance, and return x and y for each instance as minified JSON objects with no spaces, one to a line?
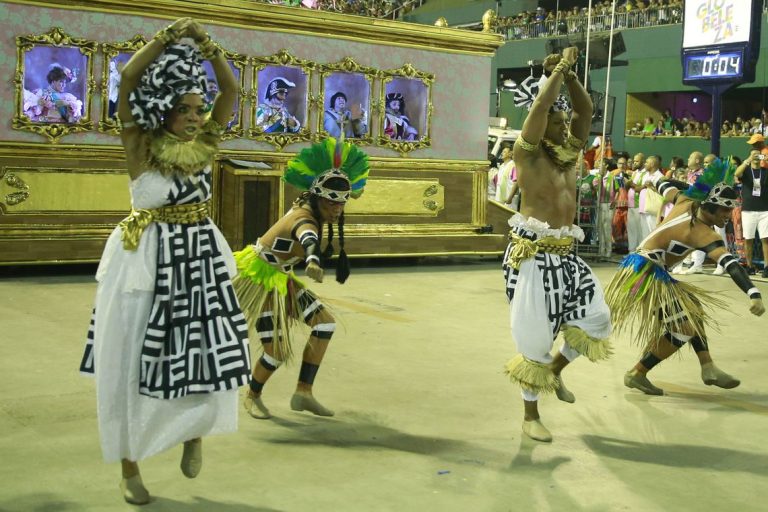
{"x":168,"y":341}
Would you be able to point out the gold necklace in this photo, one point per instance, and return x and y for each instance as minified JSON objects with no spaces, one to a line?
{"x":170,"y":154}
{"x":564,"y":157}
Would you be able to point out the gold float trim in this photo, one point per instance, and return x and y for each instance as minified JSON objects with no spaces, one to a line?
{"x":55,"y":37}
{"x":248,"y":14}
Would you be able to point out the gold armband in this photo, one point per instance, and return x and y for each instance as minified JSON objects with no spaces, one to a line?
{"x":562,"y":67}
{"x":527,"y":146}
{"x":208,"y":49}
{"x":167,"y":35}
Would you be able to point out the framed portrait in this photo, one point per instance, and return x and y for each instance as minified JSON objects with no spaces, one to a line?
{"x":346,"y":90}
{"x":115,"y":57}
{"x":406,"y":101}
{"x":237,"y":63}
{"x":54,"y":83}
{"x":281,"y":99}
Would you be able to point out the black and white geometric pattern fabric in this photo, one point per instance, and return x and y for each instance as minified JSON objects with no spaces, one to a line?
{"x":197,"y":337}
{"x":526,"y":91}
{"x":318,"y":187}
{"x":309,"y":306}
{"x":176,"y":72}
{"x":568,"y":282}
{"x":282,"y":244}
{"x":86,"y":364}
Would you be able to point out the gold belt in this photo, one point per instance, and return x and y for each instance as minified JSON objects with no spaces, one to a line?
{"x":524,"y":248}
{"x":135,"y":223}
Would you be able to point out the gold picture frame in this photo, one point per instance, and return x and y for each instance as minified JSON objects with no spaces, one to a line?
{"x":408,"y":136}
{"x":112,"y":53}
{"x":45,"y":110}
{"x":237,"y":62}
{"x":269,"y":122}
{"x":341,"y":78}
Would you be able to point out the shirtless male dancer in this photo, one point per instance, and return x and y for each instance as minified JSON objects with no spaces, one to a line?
{"x":549,"y":288}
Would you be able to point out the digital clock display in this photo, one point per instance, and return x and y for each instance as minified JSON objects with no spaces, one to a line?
{"x":713,"y":67}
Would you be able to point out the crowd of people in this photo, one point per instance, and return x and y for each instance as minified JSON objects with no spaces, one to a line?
{"x":629,"y":14}
{"x":619,"y":207}
{"x":372,"y":8}
{"x":669,"y":126}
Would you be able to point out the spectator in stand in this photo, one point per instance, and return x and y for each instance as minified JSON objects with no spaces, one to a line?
{"x":754,"y":209}
{"x":506,"y":178}
{"x":648,"y":126}
{"x":694,"y":262}
{"x":606,"y":199}
{"x":670,"y":126}
{"x":757,"y":141}
{"x":634,"y":185}
{"x":647,"y":209}
{"x":677,"y":170}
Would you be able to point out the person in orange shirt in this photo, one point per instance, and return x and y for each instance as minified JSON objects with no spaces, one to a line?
{"x":757,"y":142}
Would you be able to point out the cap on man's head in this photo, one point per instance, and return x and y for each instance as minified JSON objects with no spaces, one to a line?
{"x":754,"y":139}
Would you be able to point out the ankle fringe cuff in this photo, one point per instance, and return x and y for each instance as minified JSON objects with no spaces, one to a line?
{"x":531,"y":375}
{"x":595,"y":349}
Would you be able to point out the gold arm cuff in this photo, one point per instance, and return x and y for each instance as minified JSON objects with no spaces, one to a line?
{"x":167,"y":35}
{"x":212,"y":127}
{"x":134,"y":224}
{"x":562,"y":67}
{"x":527,"y":146}
{"x":525,"y":248}
{"x":209,"y":49}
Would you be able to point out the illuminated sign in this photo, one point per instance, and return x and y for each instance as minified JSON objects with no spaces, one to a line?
{"x":716,"y":22}
{"x":713,"y":65}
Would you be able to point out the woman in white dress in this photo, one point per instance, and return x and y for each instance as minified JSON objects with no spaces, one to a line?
{"x":168,"y":342}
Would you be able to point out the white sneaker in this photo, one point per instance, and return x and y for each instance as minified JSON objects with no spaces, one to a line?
{"x":696,"y":269}
{"x":718,"y":271}
{"x":678,"y":269}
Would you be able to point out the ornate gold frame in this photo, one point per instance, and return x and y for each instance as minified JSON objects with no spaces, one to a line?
{"x":112,"y":50}
{"x":347,"y":65}
{"x":425,"y":140}
{"x":55,"y":37}
{"x":281,"y":58}
{"x":240,"y":62}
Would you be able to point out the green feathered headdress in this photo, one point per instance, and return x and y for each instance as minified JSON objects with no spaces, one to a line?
{"x":717,"y":176}
{"x":305,"y":171}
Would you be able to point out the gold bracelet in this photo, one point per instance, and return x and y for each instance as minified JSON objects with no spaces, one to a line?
{"x":570,"y":77}
{"x":209,"y":49}
{"x":167,"y":35}
{"x":562,"y":67}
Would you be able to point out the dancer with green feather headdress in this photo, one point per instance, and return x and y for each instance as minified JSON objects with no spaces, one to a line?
{"x":662,"y":313}
{"x":273,"y":299}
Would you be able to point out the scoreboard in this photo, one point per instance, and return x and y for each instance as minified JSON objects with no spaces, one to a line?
{"x":720,"y":41}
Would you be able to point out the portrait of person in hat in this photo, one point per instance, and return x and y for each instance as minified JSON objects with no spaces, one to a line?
{"x":397,"y":126}
{"x":272,"y":115}
{"x":337,"y":115}
{"x":53,"y":104}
